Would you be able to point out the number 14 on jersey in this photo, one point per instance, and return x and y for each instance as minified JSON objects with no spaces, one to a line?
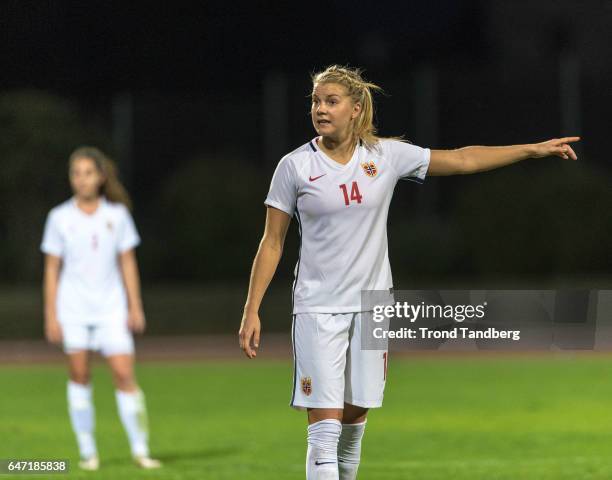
{"x":355,"y":195}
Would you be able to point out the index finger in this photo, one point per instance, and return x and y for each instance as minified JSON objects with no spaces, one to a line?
{"x":569,"y":139}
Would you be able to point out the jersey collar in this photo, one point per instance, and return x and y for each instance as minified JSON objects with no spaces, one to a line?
{"x":101,"y":205}
{"x":315,"y":147}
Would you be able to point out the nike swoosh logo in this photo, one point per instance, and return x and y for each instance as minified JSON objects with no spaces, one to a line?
{"x":322,"y":463}
{"x":312,"y":179}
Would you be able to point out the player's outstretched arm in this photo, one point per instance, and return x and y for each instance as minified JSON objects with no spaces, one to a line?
{"x":476,"y":159}
{"x":53,"y":330}
{"x":265,"y":263}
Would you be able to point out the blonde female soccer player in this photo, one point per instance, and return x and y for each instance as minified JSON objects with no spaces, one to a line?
{"x":338,"y":186}
{"x":92,"y":297}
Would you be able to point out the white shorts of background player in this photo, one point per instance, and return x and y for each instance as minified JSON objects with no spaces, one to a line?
{"x":109,"y":338}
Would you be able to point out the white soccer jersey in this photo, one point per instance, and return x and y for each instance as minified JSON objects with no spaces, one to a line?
{"x":91,"y":288}
{"x":342,"y":216}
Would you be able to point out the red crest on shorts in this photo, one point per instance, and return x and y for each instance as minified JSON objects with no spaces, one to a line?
{"x":306,"y":385}
{"x":369,"y":168}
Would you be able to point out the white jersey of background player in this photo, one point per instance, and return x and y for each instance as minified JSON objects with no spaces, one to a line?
{"x":339,"y":186}
{"x":92,"y":297}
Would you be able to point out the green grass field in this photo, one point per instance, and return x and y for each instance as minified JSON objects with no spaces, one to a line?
{"x":443,"y":418}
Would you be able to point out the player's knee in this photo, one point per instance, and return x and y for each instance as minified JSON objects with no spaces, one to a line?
{"x":124,"y":381}
{"x":82,"y":379}
{"x":354,"y":414}
{"x":319,"y":414}
{"x":80,"y":376}
{"x":126,"y":385}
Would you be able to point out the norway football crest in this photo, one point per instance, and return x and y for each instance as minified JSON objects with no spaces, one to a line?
{"x":306,"y":385}
{"x":369,"y":168}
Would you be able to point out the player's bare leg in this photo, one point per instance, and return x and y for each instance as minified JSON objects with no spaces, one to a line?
{"x":318,"y":414}
{"x":324,"y":427}
{"x":353,"y":414}
{"x":81,"y":409}
{"x":349,"y":445}
{"x":78,"y":365}
{"x":132,"y":408}
{"x":122,"y":369}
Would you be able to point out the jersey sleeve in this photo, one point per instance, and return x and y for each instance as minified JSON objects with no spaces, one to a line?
{"x":52,"y":242}
{"x":127,"y":234}
{"x":409,"y":161}
{"x":283,"y":188}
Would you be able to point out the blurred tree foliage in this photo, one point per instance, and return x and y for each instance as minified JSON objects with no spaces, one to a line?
{"x":38,"y":133}
{"x":537,"y":218}
{"x":211,"y":218}
{"x":550,"y":216}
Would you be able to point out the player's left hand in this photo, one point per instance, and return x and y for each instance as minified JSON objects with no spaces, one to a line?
{"x":136,"y":320}
{"x":556,"y":147}
{"x":249,"y":333}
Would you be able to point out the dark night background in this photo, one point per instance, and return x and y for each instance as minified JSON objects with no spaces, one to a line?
{"x":198,"y":103}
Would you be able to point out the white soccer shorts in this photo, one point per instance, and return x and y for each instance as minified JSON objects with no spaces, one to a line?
{"x":110,"y":338}
{"x":329,"y":365}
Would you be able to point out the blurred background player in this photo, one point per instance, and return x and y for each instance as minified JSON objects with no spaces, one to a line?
{"x":339,"y":187}
{"x":92,"y":298}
